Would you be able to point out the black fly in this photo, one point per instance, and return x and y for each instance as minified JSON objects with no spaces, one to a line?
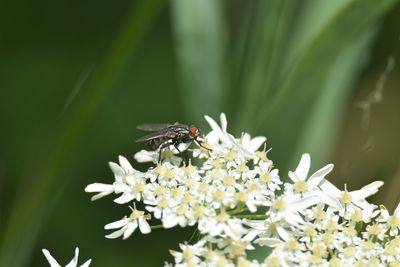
{"x":165,"y":135}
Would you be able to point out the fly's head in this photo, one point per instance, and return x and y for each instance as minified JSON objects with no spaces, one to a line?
{"x":194,"y":131}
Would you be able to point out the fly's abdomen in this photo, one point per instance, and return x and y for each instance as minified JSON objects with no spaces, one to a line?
{"x":156,"y":143}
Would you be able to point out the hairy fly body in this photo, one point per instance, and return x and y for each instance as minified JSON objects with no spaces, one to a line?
{"x":165,"y":135}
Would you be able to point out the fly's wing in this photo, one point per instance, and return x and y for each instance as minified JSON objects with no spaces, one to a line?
{"x":153,"y":126}
{"x":156,"y":135}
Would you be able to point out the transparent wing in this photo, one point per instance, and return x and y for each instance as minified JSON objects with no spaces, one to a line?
{"x":155,"y":135}
{"x":153,"y":126}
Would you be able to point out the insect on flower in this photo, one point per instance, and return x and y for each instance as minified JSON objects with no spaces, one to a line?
{"x":165,"y":135}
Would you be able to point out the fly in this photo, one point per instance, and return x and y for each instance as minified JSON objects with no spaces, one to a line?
{"x":165,"y":135}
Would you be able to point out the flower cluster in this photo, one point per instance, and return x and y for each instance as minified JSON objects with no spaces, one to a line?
{"x":232,"y":193}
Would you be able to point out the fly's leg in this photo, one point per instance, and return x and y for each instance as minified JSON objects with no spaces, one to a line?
{"x":200,"y":145}
{"x":176,"y":144}
{"x":166,"y":144}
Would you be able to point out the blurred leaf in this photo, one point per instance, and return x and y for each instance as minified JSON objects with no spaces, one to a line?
{"x":313,"y":64}
{"x":31,"y":207}
{"x":265,"y":49}
{"x":200,"y":40}
{"x":321,"y":127}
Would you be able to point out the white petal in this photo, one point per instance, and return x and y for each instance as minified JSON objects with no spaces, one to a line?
{"x":270,"y":242}
{"x":293,"y":176}
{"x":214,"y":126}
{"x":212,"y":137}
{"x":330,"y":188}
{"x":121,"y":187}
{"x":104,"y":189}
{"x":50,"y":259}
{"x":304,"y":203}
{"x":326,"y":199}
{"x":125,"y":164}
{"x":224,"y":122}
{"x":251,"y":206}
{"x":363,"y":204}
{"x":87,"y":263}
{"x":144,"y":226}
{"x":116,"y":234}
{"x":245,"y":139}
{"x":250,"y":235}
{"x":130,"y":229}
{"x":397,"y":211}
{"x":294,"y":218}
{"x":283,"y":233}
{"x":367,"y":190}
{"x":303,"y":167}
{"x":74,"y":261}
{"x":169,"y":221}
{"x":98,"y":187}
{"x":124,"y":198}
{"x":257,"y":141}
{"x":317,"y":177}
{"x":116,"y":224}
{"x":146,"y":156}
{"x":117,"y":170}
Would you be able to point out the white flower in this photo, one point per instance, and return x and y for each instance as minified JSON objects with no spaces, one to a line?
{"x":392,"y":221}
{"x":124,"y":175}
{"x":190,"y":253}
{"x":167,"y":154}
{"x":299,"y":176}
{"x":269,"y":232}
{"x":246,"y":146}
{"x":101,"y":189}
{"x":129,"y":224}
{"x":72,"y":263}
{"x":235,"y":198}
{"x":353,"y":198}
{"x":221,"y":225}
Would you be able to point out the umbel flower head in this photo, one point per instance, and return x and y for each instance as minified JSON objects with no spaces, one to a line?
{"x":232,"y":193}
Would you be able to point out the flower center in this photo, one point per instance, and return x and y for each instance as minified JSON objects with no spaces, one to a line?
{"x":136,"y":214}
{"x":265,"y":177}
{"x":300,"y":186}
{"x":393,"y":221}
{"x":138,"y":188}
{"x":278,"y":204}
{"x":218,"y":195}
{"x":229,"y":181}
{"x":231,"y":155}
{"x":188,"y":253}
{"x":170,"y":174}
{"x":346,"y":198}
{"x":222,"y":217}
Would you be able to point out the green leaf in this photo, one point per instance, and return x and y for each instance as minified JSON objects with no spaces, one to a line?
{"x":266,"y":47}
{"x":321,"y":126}
{"x":200,"y":40}
{"x":311,"y":67}
{"x":31,"y":207}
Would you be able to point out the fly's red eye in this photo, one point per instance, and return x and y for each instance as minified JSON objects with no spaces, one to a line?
{"x":194,"y":131}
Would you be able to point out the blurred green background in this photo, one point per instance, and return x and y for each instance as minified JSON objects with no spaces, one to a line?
{"x":76,"y":77}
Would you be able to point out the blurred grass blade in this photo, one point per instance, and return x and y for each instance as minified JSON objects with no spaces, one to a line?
{"x":321,"y":127}
{"x":200,"y":41}
{"x":312,"y":66}
{"x":267,"y":45}
{"x":23,"y":225}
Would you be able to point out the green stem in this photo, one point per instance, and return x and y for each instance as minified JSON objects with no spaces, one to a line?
{"x":251,"y":216}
